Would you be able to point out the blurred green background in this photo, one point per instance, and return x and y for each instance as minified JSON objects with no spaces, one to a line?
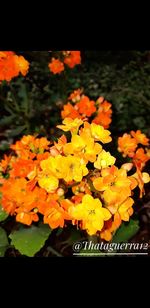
{"x":33,"y":103}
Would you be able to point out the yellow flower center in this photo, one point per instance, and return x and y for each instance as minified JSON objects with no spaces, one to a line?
{"x":92,"y":212}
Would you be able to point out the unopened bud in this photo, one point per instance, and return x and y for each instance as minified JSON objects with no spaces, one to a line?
{"x":100,"y":100}
{"x":127,"y":166}
{"x":54,"y":152}
{"x":82,"y":189}
{"x":60,"y":192}
{"x":35,"y":210}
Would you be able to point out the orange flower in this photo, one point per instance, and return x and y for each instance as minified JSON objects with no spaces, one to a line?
{"x":106,"y":107}
{"x":73,"y":59}
{"x":26,"y":218}
{"x":8,"y":68}
{"x":12,"y":192}
{"x":5,"y":163}
{"x":11,"y":65}
{"x":56,"y":66}
{"x":140,"y":158}
{"x":110,"y":226}
{"x":75,"y":96}
{"x":22,"y":167}
{"x":139,"y":137}
{"x":60,"y":144}
{"x":86,"y":107}
{"x":55,"y":215}
{"x":69,"y":112}
{"x":102,"y":119}
{"x":8,"y":206}
{"x":81,"y":187}
{"x":127,"y":145}
{"x":29,"y":147}
{"x":124,"y":211}
{"x":23,"y":65}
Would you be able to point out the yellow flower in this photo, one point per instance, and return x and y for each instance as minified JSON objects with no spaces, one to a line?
{"x":54,"y":166}
{"x":49,"y":183}
{"x":104,"y":160}
{"x":92,"y":214}
{"x":99,"y":133}
{"x":68,"y":168}
{"x":91,"y":150}
{"x":71,"y":125}
{"x":83,"y":148}
{"x":76,"y":145}
{"x":75,"y":168}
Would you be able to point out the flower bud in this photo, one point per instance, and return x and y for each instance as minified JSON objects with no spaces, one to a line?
{"x":60,"y":192}
{"x":54,"y":152}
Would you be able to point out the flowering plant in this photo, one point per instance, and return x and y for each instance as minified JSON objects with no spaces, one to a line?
{"x":69,"y":182}
{"x":68,"y":58}
{"x":11,"y":65}
{"x":80,"y":106}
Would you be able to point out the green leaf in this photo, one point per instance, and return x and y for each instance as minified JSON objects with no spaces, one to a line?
{"x":16,"y":131}
{"x":7,"y":120}
{"x":126,"y":231}
{"x":3,"y":214}
{"x":3,"y":242}
{"x":30,"y":240}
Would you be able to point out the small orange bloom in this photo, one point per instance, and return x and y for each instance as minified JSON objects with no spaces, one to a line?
{"x":102,"y":119}
{"x":140,"y":158}
{"x":11,"y":65}
{"x":5,"y":162}
{"x":73,"y":59}
{"x":55,"y":215}
{"x":127,"y":145}
{"x":23,"y":65}
{"x":56,"y":66}
{"x":86,"y":107}
{"x":22,"y":167}
{"x":69,"y":112}
{"x":76,"y":95}
{"x":26,"y":218}
{"x":139,"y":137}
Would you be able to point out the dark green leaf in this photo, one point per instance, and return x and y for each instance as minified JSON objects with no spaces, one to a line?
{"x":3,"y":242}
{"x":3,"y":214}
{"x":30,"y":240}
{"x":7,"y":120}
{"x":126,"y":231}
{"x":16,"y":131}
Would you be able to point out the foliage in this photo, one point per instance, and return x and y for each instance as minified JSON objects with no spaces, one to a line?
{"x":126,"y":231}
{"x":30,"y":240}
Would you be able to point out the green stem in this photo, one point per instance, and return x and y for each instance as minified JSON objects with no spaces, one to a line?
{"x":56,"y":253}
{"x":14,"y":98}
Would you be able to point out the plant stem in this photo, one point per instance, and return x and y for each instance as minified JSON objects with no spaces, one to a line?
{"x":14,"y":98}
{"x":56,"y":253}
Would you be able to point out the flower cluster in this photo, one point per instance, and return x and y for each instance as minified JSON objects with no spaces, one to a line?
{"x":80,"y":106}
{"x":11,"y":65}
{"x":128,"y":144}
{"x":69,"y":58}
{"x":68,"y":181}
